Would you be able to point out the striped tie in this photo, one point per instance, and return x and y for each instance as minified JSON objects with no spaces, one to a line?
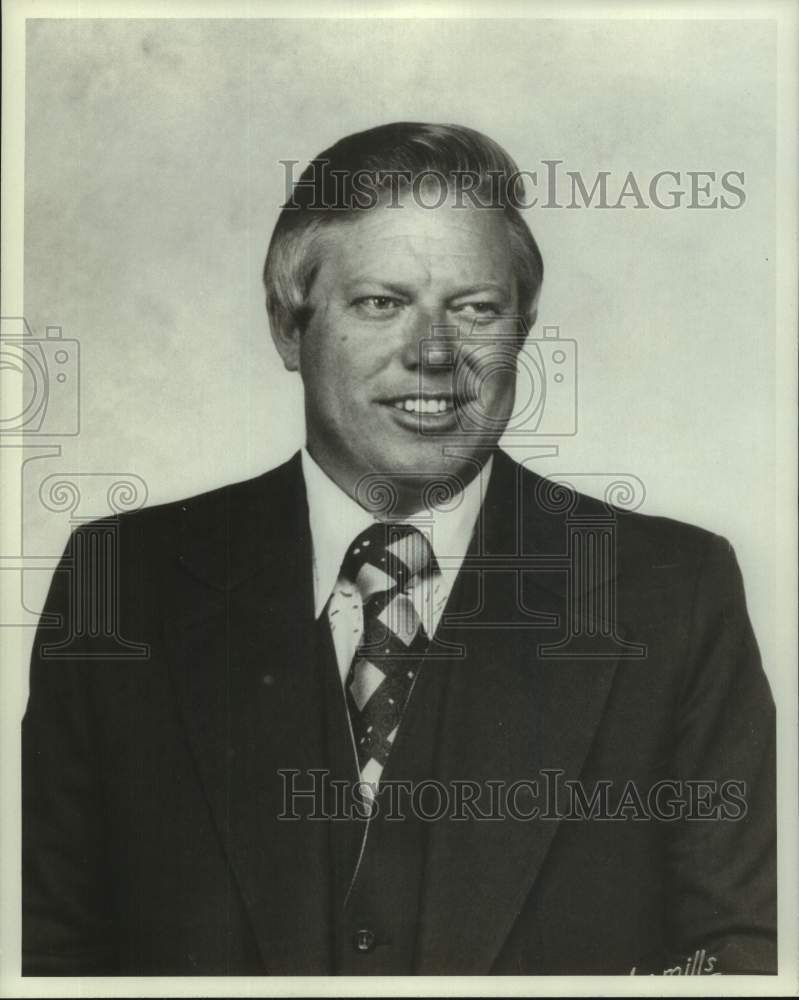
{"x":383,"y":562}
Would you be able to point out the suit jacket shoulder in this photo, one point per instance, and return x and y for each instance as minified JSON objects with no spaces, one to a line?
{"x":547,"y":506}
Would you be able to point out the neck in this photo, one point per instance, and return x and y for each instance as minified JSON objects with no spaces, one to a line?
{"x":392,"y":497}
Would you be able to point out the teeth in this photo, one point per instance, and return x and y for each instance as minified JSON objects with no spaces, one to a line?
{"x":424,"y":405}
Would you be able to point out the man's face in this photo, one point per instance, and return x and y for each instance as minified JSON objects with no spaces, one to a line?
{"x":375,"y":403}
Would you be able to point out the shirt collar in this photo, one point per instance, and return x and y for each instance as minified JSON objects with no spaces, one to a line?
{"x":335,"y":519}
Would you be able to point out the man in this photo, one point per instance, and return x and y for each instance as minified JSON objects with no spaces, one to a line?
{"x":399,"y":617}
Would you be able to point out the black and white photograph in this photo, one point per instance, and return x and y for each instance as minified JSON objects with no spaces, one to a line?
{"x":399,"y":488}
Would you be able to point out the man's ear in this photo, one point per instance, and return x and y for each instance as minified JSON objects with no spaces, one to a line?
{"x":286,"y":336}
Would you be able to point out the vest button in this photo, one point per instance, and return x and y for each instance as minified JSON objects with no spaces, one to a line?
{"x":364,"y":940}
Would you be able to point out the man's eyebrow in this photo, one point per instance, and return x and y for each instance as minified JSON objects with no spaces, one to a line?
{"x":483,"y":286}
{"x":398,"y":289}
{"x":381,"y":282}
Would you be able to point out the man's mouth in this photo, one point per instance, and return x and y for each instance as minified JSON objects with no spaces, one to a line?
{"x":424,"y":404}
{"x":427,"y":412}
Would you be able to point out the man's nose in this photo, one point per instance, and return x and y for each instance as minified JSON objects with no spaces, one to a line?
{"x":420,"y":342}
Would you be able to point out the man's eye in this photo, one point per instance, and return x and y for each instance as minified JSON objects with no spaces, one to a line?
{"x":480,"y":308}
{"x":378,"y":303}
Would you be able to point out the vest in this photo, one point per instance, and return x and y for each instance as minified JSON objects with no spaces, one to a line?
{"x":378,"y":868}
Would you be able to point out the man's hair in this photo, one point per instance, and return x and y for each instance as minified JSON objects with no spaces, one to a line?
{"x":384,"y":163}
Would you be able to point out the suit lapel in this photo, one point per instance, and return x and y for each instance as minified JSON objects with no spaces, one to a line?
{"x":244,"y":668}
{"x":510,"y":716}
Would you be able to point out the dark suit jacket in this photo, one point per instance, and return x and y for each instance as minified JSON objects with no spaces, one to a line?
{"x":150,"y":795}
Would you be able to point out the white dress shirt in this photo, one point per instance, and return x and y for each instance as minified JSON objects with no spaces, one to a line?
{"x":336,"y":519}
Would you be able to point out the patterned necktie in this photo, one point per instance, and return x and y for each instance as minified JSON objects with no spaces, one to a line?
{"x":382,"y":562}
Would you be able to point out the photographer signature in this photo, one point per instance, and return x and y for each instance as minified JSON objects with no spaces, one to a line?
{"x":698,"y":964}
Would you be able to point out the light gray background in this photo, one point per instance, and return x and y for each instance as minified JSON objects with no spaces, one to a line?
{"x":152,"y":184}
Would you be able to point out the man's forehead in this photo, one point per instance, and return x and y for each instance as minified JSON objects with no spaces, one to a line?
{"x":430,"y":239}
